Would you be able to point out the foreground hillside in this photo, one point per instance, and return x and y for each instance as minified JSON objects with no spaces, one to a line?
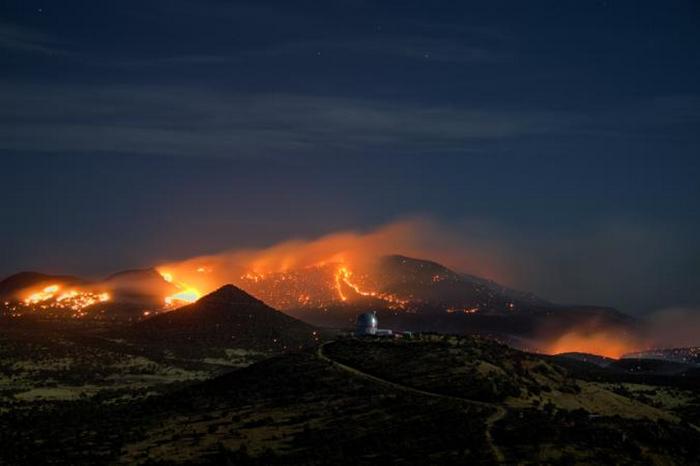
{"x":434,"y":398}
{"x":426,"y":399}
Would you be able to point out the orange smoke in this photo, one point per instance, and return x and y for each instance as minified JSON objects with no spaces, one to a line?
{"x":604,"y":343}
{"x":340,"y":266}
{"x":353,"y":251}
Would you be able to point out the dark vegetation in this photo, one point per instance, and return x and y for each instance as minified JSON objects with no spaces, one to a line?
{"x":467,"y":367}
{"x":301,"y":408}
{"x":641,"y":371}
{"x":536,"y":436}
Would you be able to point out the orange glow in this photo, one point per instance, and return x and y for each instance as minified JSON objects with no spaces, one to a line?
{"x":343,"y":277}
{"x":609,"y":344}
{"x":73,"y":299}
{"x":253,"y":276}
{"x":268,"y":271}
{"x":44,"y":295}
{"x":304,"y":299}
{"x":345,"y":285}
{"x":185,"y":295}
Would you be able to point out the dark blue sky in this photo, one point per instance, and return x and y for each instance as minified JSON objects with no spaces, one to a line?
{"x":133,"y":132}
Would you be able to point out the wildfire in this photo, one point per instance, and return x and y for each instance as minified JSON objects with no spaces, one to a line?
{"x":304,"y":299}
{"x":185,"y":295}
{"x":253,"y":276}
{"x":343,"y":276}
{"x":603,"y":343}
{"x":53,"y":296}
{"x":44,"y":295}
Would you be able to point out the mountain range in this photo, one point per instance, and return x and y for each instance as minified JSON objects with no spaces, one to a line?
{"x":407,"y":294}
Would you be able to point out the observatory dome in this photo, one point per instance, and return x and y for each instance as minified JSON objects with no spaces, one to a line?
{"x":367,"y":324}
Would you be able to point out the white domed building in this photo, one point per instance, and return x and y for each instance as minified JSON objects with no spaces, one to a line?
{"x":367,"y":325}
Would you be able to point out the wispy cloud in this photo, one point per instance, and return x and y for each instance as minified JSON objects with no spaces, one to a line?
{"x":447,"y":50}
{"x":21,"y":39}
{"x":410,"y":48}
{"x":660,"y":118}
{"x":185,"y":121}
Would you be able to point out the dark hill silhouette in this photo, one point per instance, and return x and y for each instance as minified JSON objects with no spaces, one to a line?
{"x":139,"y":286}
{"x":228,"y":317}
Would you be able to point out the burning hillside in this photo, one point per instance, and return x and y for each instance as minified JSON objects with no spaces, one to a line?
{"x":319,"y":287}
{"x":58,"y":297}
{"x":132,"y":293}
{"x":420,"y":295}
{"x":336,"y":267}
{"x":393,"y":282}
{"x":328,"y":281}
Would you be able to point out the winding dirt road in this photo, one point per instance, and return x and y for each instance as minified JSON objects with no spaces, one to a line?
{"x":499,"y":411}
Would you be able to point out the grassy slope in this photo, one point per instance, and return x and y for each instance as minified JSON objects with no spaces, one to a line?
{"x":552,"y":417}
{"x":300,"y":407}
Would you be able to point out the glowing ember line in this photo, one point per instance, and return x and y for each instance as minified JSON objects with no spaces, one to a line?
{"x":341,"y":275}
{"x":344,"y":275}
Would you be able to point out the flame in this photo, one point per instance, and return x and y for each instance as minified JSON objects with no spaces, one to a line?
{"x":253,"y":276}
{"x":73,"y":299}
{"x":185,"y":295}
{"x":44,"y":295}
{"x":344,"y":287}
{"x":356,"y":251}
{"x":343,"y":276}
{"x":603,"y":343}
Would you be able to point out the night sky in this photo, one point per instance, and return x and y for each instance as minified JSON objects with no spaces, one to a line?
{"x":565,"y":132}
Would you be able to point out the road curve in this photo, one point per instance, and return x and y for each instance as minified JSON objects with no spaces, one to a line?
{"x":499,"y":411}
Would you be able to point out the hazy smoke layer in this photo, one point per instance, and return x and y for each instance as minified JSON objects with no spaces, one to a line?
{"x":631,"y":267}
{"x":415,"y":238}
{"x":482,"y":250}
{"x":671,"y":328}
